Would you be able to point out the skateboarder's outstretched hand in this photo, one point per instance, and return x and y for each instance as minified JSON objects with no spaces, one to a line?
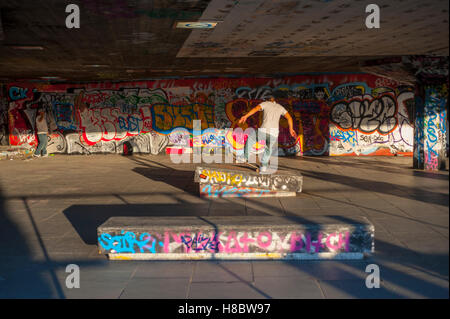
{"x":242,"y":120}
{"x":293,"y":134}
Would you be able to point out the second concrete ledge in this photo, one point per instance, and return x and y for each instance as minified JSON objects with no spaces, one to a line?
{"x":225,"y":182}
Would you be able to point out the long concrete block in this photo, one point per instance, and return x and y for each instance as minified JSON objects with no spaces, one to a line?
{"x":222,"y":182}
{"x":238,"y":237}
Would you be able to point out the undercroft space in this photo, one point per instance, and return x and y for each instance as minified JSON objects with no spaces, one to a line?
{"x":51,"y":207}
{"x":349,"y":98}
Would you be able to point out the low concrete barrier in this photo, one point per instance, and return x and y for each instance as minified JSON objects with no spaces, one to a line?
{"x":14,"y":152}
{"x":219,"y":182}
{"x":237,"y":237}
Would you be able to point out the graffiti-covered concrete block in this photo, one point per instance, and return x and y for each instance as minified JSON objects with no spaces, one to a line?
{"x":238,"y":237}
{"x":221,"y":182}
{"x":11,"y":152}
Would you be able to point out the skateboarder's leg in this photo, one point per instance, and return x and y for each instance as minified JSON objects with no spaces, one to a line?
{"x":270,"y":149}
{"x":251,"y":140}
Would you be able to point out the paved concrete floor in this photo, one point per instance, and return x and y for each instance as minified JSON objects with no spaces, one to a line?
{"x":50,"y":208}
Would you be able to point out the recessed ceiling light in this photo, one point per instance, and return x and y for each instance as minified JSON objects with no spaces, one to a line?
{"x":196,"y":25}
{"x":26,"y":47}
{"x":96,"y":65}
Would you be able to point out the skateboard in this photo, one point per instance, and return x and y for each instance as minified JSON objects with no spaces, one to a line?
{"x":254,"y":166}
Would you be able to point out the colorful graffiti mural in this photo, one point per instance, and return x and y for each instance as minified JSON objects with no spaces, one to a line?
{"x":373,"y":125}
{"x":225,"y":242}
{"x":340,"y":114}
{"x":434,"y":126}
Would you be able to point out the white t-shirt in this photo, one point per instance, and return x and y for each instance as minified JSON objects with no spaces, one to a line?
{"x":272,"y":112}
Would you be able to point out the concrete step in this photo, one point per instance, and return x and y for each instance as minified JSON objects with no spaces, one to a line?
{"x":237,"y":237}
{"x":15,"y":152}
{"x":238,"y":182}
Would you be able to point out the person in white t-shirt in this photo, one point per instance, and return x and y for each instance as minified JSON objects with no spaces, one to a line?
{"x":269,"y":130}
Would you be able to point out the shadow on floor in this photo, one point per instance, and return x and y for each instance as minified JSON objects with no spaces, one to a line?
{"x":183,"y":180}
{"x":376,"y":166}
{"x":21,"y":275}
{"x":413,"y":193}
{"x":87,"y":218}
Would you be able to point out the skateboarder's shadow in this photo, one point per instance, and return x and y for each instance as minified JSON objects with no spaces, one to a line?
{"x":183,"y":180}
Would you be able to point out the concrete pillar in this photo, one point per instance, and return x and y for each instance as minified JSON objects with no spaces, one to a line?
{"x":430,"y":132}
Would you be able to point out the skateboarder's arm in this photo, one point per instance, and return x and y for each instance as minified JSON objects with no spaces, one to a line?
{"x":252,"y":111}
{"x":291,"y":125}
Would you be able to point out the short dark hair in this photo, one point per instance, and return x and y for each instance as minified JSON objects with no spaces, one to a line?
{"x":280,"y":94}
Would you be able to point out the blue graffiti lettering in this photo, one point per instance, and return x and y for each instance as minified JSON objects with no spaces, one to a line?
{"x":201,"y":242}
{"x":126,"y":242}
{"x":130,"y":124}
{"x":16,"y":93}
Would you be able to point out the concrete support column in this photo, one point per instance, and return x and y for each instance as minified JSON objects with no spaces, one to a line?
{"x":430,"y":132}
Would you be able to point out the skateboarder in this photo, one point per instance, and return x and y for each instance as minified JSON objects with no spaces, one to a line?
{"x":272,"y":111}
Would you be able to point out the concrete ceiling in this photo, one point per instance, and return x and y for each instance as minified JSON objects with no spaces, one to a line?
{"x":136,"y":39}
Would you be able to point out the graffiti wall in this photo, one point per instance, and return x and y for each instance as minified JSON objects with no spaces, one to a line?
{"x":431,"y":138}
{"x":334,"y":114}
{"x":3,"y":118}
